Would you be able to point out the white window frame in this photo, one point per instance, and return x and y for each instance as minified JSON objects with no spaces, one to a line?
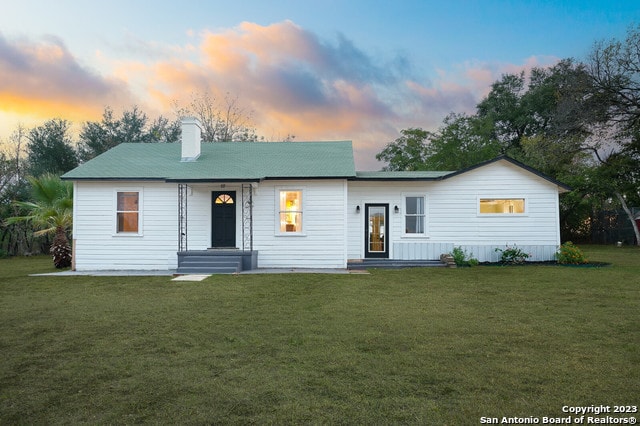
{"x":116,"y":211}
{"x":522,"y":197}
{"x":302,"y":191}
{"x":406,"y":234}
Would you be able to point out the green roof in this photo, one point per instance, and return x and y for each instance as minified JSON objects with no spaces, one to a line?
{"x":250,"y":161}
{"x":401,"y":175}
{"x":221,"y":161}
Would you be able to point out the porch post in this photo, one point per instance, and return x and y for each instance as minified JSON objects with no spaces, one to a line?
{"x":247,"y":217}
{"x":182,"y":216}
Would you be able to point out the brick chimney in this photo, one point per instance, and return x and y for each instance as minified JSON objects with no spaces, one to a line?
{"x":191,"y":138}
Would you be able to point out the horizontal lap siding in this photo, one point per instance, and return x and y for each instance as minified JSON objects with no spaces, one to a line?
{"x":322,"y":244}
{"x":454,"y":208}
{"x":199,"y":215}
{"x":453,"y":219}
{"x":97,"y":247}
{"x":361,"y":193}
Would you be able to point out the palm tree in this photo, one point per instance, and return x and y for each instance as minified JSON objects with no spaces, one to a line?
{"x":51,"y":211}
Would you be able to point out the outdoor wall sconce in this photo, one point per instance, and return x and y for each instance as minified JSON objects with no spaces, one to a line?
{"x":357,"y":209}
{"x":396,"y":209}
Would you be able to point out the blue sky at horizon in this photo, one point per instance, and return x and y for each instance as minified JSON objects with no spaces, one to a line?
{"x":335,"y":70}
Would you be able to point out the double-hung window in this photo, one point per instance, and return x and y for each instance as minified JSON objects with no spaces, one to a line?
{"x":128,"y":212}
{"x":414,"y":215}
{"x":290,"y":212}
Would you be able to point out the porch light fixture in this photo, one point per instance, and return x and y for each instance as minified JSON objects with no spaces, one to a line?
{"x":358,"y":209}
{"x":396,"y":209}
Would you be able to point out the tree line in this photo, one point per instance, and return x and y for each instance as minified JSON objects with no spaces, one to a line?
{"x":35,"y":205}
{"x":577,"y":121}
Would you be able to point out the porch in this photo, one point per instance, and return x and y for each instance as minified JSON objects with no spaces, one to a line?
{"x":230,"y":247}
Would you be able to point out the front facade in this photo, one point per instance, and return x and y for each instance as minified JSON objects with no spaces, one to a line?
{"x":134,"y":224}
{"x":298,"y":205}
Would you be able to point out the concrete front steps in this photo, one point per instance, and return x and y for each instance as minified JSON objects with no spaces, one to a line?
{"x":216,"y":261}
{"x":393,"y":264}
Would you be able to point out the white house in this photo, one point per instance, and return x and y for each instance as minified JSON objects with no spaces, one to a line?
{"x":230,"y":206}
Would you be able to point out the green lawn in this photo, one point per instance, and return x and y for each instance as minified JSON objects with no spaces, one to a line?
{"x":417,"y":346}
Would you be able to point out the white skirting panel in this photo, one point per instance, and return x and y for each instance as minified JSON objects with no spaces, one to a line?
{"x":484,"y":253}
{"x":420,"y":250}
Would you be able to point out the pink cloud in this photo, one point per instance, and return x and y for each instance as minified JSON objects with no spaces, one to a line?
{"x":42,"y":78}
{"x":294,"y":82}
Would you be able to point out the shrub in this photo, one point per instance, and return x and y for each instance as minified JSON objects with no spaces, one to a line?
{"x":570,"y":254}
{"x":512,"y":255}
{"x":461,"y":257}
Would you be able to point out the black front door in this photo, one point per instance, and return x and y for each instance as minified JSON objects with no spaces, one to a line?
{"x":376,"y":230}
{"x":223,"y":219}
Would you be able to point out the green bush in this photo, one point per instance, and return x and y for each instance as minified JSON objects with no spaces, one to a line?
{"x":461,"y":257}
{"x":512,"y":255}
{"x":570,"y":254}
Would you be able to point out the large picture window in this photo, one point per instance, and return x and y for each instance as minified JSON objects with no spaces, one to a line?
{"x":414,"y":215}
{"x":502,"y":206}
{"x":128,"y":212}
{"x":290,"y":216}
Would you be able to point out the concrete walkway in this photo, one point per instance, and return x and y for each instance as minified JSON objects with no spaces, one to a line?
{"x":106,"y":274}
{"x":170,"y":273}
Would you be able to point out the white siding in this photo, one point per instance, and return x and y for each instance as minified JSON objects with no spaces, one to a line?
{"x":199,"y":214}
{"x":322,"y":243}
{"x":333,"y":231}
{"x":374,"y":192}
{"x":99,"y":247}
{"x":452,"y":214}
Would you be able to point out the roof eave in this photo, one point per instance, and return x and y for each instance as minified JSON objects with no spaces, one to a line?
{"x":112,"y":179}
{"x":306,"y":177}
{"x":403,"y":179}
{"x":204,"y":180}
{"x":210,"y":180}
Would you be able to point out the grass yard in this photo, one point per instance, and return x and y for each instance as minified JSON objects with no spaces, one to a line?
{"x":416,"y":346}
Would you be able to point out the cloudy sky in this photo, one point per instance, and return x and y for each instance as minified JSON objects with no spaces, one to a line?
{"x":357,"y":70}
